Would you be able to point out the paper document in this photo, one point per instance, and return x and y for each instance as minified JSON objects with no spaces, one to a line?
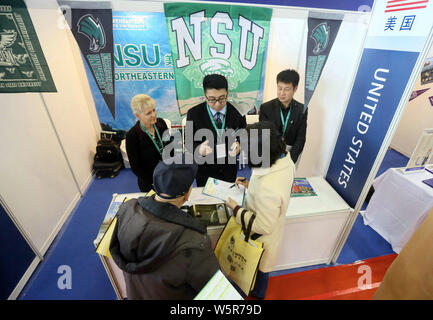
{"x":198,"y":197}
{"x":218,"y":288}
{"x":223,"y":190}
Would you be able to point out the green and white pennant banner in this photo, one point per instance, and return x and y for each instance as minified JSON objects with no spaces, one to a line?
{"x":224,"y":39}
{"x":321,"y":36}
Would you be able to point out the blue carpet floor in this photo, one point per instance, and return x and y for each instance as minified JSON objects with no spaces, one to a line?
{"x":73,"y":246}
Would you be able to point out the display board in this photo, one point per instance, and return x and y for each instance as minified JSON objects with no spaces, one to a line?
{"x":397,"y":42}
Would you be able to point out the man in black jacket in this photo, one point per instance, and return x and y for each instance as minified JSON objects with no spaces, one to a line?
{"x":217,"y":115}
{"x":287,"y":113}
{"x":164,"y":252}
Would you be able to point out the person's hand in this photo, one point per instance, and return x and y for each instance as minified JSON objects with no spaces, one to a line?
{"x":204,"y":148}
{"x":242,"y":181}
{"x":234,"y":149}
{"x":231,"y":203}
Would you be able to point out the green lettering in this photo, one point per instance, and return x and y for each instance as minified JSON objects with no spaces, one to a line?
{"x":127,"y":51}
{"x":119,"y":59}
{"x":145,"y":55}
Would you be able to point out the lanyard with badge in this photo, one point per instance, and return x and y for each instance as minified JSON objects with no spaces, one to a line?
{"x":285,"y":121}
{"x":220,"y":147}
{"x":159,"y":148}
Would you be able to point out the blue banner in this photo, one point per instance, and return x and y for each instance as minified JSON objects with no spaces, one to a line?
{"x":353,"y":5}
{"x":380,"y":82}
{"x":142,"y":64}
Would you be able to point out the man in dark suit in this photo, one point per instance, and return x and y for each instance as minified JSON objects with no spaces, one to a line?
{"x":216,"y":115}
{"x":287,"y":113}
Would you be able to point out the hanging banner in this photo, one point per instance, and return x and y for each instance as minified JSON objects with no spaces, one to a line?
{"x":142,"y":65}
{"x":23,"y":67}
{"x":321,"y":37}
{"x":93,"y":31}
{"x":225,"y":39}
{"x":398,"y":33}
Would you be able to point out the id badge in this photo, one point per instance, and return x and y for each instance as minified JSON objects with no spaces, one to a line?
{"x":221,"y":150}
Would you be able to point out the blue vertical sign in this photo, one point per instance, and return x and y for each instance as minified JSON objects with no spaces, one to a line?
{"x":397,"y":35}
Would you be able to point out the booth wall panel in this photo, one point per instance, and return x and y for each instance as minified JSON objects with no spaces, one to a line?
{"x":50,"y":138}
{"x":15,"y":255}
{"x":36,"y":182}
{"x":287,"y":49}
{"x":310,"y":240}
{"x":417,"y":116}
{"x":69,"y":108}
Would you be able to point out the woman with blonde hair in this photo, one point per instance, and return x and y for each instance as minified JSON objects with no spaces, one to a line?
{"x":144,"y":143}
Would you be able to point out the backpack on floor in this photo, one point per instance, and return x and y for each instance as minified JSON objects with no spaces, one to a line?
{"x":108,"y":158}
{"x":107,"y":169}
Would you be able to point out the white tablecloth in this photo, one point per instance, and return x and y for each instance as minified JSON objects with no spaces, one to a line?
{"x":399,"y":205}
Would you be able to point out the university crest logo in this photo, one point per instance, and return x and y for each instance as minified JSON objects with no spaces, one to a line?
{"x":93,"y":30}
{"x":320,"y":35}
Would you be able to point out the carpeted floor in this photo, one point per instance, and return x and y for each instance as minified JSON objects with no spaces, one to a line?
{"x":73,"y":247}
{"x":355,"y":281}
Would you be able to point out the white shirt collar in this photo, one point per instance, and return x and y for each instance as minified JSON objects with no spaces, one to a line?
{"x":223,"y":111}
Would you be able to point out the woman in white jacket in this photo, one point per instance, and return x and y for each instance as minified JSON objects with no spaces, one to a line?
{"x":268,"y":195}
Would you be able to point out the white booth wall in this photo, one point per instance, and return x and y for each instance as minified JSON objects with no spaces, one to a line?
{"x":48,"y":139}
{"x":417,"y":116}
{"x":287,"y":49}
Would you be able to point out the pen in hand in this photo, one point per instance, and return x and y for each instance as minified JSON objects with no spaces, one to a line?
{"x":241,"y":180}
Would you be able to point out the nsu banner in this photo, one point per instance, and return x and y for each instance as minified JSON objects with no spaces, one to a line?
{"x":23,"y":67}
{"x":321,"y":37}
{"x":225,"y":39}
{"x":397,"y":35}
{"x":93,"y":31}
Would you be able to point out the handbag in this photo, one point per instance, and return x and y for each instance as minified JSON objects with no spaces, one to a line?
{"x":238,"y":255}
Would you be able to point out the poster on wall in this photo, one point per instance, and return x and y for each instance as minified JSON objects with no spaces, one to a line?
{"x":93,"y":31}
{"x":396,"y":36}
{"x":142,"y":65}
{"x":321,"y":37}
{"x":23,"y":67}
{"x":225,"y":39}
{"x":422,"y":153}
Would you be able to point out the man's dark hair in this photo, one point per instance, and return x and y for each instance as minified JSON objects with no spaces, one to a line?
{"x":276,"y":144}
{"x":288,"y":76}
{"x":215,"y":81}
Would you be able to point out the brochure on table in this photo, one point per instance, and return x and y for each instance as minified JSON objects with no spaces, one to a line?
{"x":223,"y":190}
{"x":325,"y":200}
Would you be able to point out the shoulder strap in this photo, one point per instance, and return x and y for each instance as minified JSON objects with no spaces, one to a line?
{"x":247,"y":231}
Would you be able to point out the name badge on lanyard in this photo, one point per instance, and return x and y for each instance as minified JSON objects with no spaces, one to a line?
{"x":285,"y":121}
{"x":221,"y":146}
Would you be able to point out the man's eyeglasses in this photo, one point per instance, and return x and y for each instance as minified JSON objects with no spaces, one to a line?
{"x":221,"y":99}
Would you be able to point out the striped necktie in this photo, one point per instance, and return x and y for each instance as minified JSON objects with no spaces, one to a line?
{"x":218,"y":120}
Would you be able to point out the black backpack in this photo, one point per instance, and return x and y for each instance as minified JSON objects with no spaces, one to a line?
{"x":108,"y":159}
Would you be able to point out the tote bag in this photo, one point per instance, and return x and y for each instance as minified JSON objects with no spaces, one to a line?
{"x":238,"y":255}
